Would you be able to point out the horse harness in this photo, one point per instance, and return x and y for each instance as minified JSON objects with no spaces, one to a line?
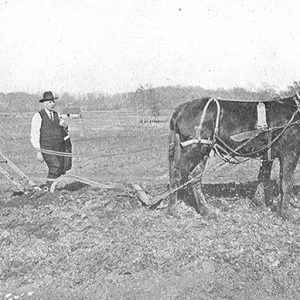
{"x":228,"y":154}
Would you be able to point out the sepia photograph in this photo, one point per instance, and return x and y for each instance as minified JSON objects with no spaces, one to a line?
{"x":149,"y":150}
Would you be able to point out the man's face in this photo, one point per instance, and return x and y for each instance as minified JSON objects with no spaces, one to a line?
{"x":49,"y":104}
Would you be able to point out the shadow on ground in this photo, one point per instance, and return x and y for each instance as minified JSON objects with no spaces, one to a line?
{"x":232,"y":191}
{"x":75,"y":186}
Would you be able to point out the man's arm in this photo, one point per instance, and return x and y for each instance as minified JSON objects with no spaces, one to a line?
{"x":36,"y":123}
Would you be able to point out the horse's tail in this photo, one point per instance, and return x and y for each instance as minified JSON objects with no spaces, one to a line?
{"x":174,"y":145}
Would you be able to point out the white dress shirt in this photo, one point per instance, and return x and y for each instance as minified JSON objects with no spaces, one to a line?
{"x":36,"y":123}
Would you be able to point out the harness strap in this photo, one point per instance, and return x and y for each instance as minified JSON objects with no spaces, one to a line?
{"x":269,"y":153}
{"x":196,"y":141}
{"x":216,"y":130}
{"x":236,"y":152}
{"x":269,"y":145}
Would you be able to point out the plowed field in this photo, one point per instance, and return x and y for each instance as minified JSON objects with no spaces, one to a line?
{"x":84,"y":242}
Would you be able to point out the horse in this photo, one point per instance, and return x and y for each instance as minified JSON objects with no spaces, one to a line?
{"x":264,"y":129}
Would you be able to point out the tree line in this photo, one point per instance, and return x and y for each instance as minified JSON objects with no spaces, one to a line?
{"x":145,"y":99}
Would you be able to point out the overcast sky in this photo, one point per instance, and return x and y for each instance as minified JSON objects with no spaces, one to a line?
{"x":114,"y":46}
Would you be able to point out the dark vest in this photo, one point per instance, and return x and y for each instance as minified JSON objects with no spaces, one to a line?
{"x":51,"y":133}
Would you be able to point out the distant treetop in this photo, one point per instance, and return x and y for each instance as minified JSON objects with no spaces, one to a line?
{"x":72,"y":110}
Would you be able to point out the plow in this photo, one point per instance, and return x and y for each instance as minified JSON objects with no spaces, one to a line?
{"x":25,"y":184}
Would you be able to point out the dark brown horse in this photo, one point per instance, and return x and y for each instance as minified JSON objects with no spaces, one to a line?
{"x":232,"y":128}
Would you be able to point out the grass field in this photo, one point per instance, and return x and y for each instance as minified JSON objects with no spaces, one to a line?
{"x":90,"y":243}
{"x":100,"y":143}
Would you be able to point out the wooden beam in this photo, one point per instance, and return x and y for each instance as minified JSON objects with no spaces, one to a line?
{"x":13,"y":180}
{"x":18,"y":170}
{"x":141,"y":194}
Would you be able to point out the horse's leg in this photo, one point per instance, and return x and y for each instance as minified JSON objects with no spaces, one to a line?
{"x":288,"y":164}
{"x":192,"y":162}
{"x":174,"y":168}
{"x":189,"y":158}
{"x":263,"y":191}
{"x":201,"y":205}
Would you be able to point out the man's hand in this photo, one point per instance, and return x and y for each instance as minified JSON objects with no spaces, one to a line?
{"x":63,"y":123}
{"x":39,"y":156}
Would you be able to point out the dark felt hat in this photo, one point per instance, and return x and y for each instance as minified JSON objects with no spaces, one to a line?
{"x":47,"y":96}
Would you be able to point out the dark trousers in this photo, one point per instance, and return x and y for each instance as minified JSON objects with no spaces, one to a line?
{"x":55,"y":166}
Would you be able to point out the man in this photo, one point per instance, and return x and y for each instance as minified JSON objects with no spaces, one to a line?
{"x":49,"y":132}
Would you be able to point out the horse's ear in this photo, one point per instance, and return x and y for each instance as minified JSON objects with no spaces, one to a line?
{"x":297,"y":94}
{"x":297,"y":99}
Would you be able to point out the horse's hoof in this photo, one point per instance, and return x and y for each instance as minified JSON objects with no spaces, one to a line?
{"x":286,"y":214}
{"x":259,"y":196}
{"x":203,"y":211}
{"x":171,"y":213}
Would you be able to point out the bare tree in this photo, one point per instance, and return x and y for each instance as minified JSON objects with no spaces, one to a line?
{"x":147,"y":98}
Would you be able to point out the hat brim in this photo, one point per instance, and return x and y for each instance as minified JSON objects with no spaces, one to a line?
{"x":43,"y":100}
